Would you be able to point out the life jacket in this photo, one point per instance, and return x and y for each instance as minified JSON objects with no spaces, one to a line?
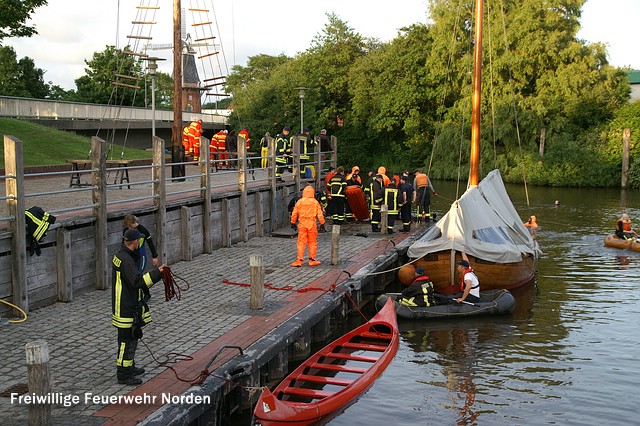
{"x":463,"y":285}
{"x":531,"y":223}
{"x":626,"y":225}
{"x":425,"y":299}
{"x":37,"y":221}
{"x":421,"y":180}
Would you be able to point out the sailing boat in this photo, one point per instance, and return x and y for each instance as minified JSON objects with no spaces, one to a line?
{"x":482,"y":222}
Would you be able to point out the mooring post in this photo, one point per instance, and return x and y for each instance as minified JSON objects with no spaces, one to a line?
{"x":256,"y":298}
{"x":384,"y":218}
{"x":626,"y":144}
{"x":335,"y":244}
{"x":39,"y":380}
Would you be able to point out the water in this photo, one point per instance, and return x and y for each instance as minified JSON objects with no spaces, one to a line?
{"x":569,"y":353}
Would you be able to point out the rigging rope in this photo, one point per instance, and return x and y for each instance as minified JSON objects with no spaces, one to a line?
{"x":171,"y":287}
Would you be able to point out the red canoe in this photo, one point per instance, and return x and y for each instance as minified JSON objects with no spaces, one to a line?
{"x":333,"y":376}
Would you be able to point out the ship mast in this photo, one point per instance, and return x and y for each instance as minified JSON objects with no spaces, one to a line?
{"x":177,"y":153}
{"x":475,"y":98}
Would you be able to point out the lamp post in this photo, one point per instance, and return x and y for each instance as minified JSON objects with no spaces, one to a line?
{"x":152,"y":66}
{"x":301,"y":94}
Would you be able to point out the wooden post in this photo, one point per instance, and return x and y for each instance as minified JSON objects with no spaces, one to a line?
{"x":626,"y":144}
{"x":273,"y":202}
{"x":99,"y":165}
{"x":185,"y":224}
{"x":335,"y":244}
{"x":242,"y":187}
{"x":63,"y":261}
{"x":205,"y":193}
{"x":543,"y":134}
{"x":256,"y":271}
{"x":159,"y":189}
{"x":334,"y":152}
{"x":226,"y":223}
{"x":259,"y":216}
{"x":384,"y":217}
{"x":14,"y":187}
{"x":295,"y":144}
{"x":39,"y":380}
{"x":318,"y":164}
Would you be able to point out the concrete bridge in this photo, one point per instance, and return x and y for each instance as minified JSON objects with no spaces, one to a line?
{"x":117,"y":124}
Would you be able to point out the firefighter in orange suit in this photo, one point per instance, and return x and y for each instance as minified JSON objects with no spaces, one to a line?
{"x":306,"y":211}
{"x":245,"y":134}
{"x":221,"y":142}
{"x":186,"y":141}
{"x":195,"y":131}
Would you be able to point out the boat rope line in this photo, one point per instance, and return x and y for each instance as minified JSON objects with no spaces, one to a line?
{"x":172,"y":358}
{"x":171,"y":287}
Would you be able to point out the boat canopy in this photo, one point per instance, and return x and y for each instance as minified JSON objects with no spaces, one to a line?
{"x":482,"y":223}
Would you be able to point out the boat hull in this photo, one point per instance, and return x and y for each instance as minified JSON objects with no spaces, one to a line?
{"x":492,"y":302}
{"x":492,"y":276}
{"x":334,"y":376}
{"x":612,"y":241}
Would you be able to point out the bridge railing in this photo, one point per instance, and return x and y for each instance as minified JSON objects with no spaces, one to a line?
{"x":62,"y":110}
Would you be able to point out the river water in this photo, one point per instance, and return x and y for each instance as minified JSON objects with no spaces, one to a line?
{"x":568,"y":355}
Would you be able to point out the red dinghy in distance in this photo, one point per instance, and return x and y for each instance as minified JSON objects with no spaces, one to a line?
{"x":333,"y":376}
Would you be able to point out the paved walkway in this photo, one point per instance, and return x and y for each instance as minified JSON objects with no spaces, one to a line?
{"x":82,"y":342}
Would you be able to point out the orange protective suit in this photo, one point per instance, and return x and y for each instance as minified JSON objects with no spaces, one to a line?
{"x":385,"y":179}
{"x":306,"y":210}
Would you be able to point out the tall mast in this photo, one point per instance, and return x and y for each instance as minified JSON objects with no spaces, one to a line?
{"x":475,"y":98}
{"x":177,"y":153}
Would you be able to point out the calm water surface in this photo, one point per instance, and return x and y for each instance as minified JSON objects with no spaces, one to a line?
{"x":569,"y":353}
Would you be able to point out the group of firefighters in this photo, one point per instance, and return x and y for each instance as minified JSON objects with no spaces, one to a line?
{"x":397,"y":193}
{"x":220,"y":145}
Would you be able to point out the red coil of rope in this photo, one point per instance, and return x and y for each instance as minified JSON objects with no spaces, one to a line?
{"x":171,"y":288}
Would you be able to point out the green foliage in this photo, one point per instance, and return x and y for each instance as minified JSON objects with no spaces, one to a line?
{"x":96,"y":86}
{"x":14,"y":15}
{"x":20,"y":77}
{"x":38,"y":141}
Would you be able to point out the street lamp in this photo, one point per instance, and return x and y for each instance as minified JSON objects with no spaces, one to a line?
{"x":301,"y":94}
{"x":152,"y":66}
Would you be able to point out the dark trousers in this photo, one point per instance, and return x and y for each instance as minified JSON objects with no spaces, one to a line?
{"x":405,"y":214}
{"x":423,"y":197}
{"x":375,"y":219}
{"x":127,"y":345}
{"x":338,"y":209}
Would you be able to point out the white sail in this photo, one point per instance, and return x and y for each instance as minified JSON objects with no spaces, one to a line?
{"x":482,"y":223}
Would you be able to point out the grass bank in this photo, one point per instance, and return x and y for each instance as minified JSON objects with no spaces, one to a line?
{"x":44,"y":146}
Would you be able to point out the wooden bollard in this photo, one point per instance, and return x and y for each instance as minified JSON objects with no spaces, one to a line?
{"x":256,"y":300}
{"x":39,"y":380}
{"x":335,"y":244}
{"x":384,"y":218}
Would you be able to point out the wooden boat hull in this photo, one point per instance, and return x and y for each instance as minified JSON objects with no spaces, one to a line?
{"x":492,"y":302}
{"x":612,"y":241}
{"x":492,"y":276}
{"x":334,"y":376}
{"x":355,"y":198}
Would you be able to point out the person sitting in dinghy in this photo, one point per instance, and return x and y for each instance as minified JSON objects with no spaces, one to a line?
{"x":420,"y":292}
{"x":470,"y":285}
{"x":623,"y":228}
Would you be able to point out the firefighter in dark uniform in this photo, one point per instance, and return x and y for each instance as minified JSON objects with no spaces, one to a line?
{"x":391,"y":197}
{"x":420,"y":292}
{"x":283,"y":152}
{"x":406,"y":195}
{"x":129,"y":296}
{"x":338,"y":186}
{"x":376,"y":189}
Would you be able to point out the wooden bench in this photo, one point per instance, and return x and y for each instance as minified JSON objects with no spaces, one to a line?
{"x":122,"y":174}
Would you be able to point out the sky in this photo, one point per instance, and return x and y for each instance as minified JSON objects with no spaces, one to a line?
{"x":70,"y":31}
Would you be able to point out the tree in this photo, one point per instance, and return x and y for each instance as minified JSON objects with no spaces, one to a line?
{"x":105,"y":68}
{"x":21,"y":77}
{"x":13,"y":17}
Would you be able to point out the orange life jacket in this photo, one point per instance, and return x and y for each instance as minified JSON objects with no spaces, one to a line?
{"x":421,"y":180}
